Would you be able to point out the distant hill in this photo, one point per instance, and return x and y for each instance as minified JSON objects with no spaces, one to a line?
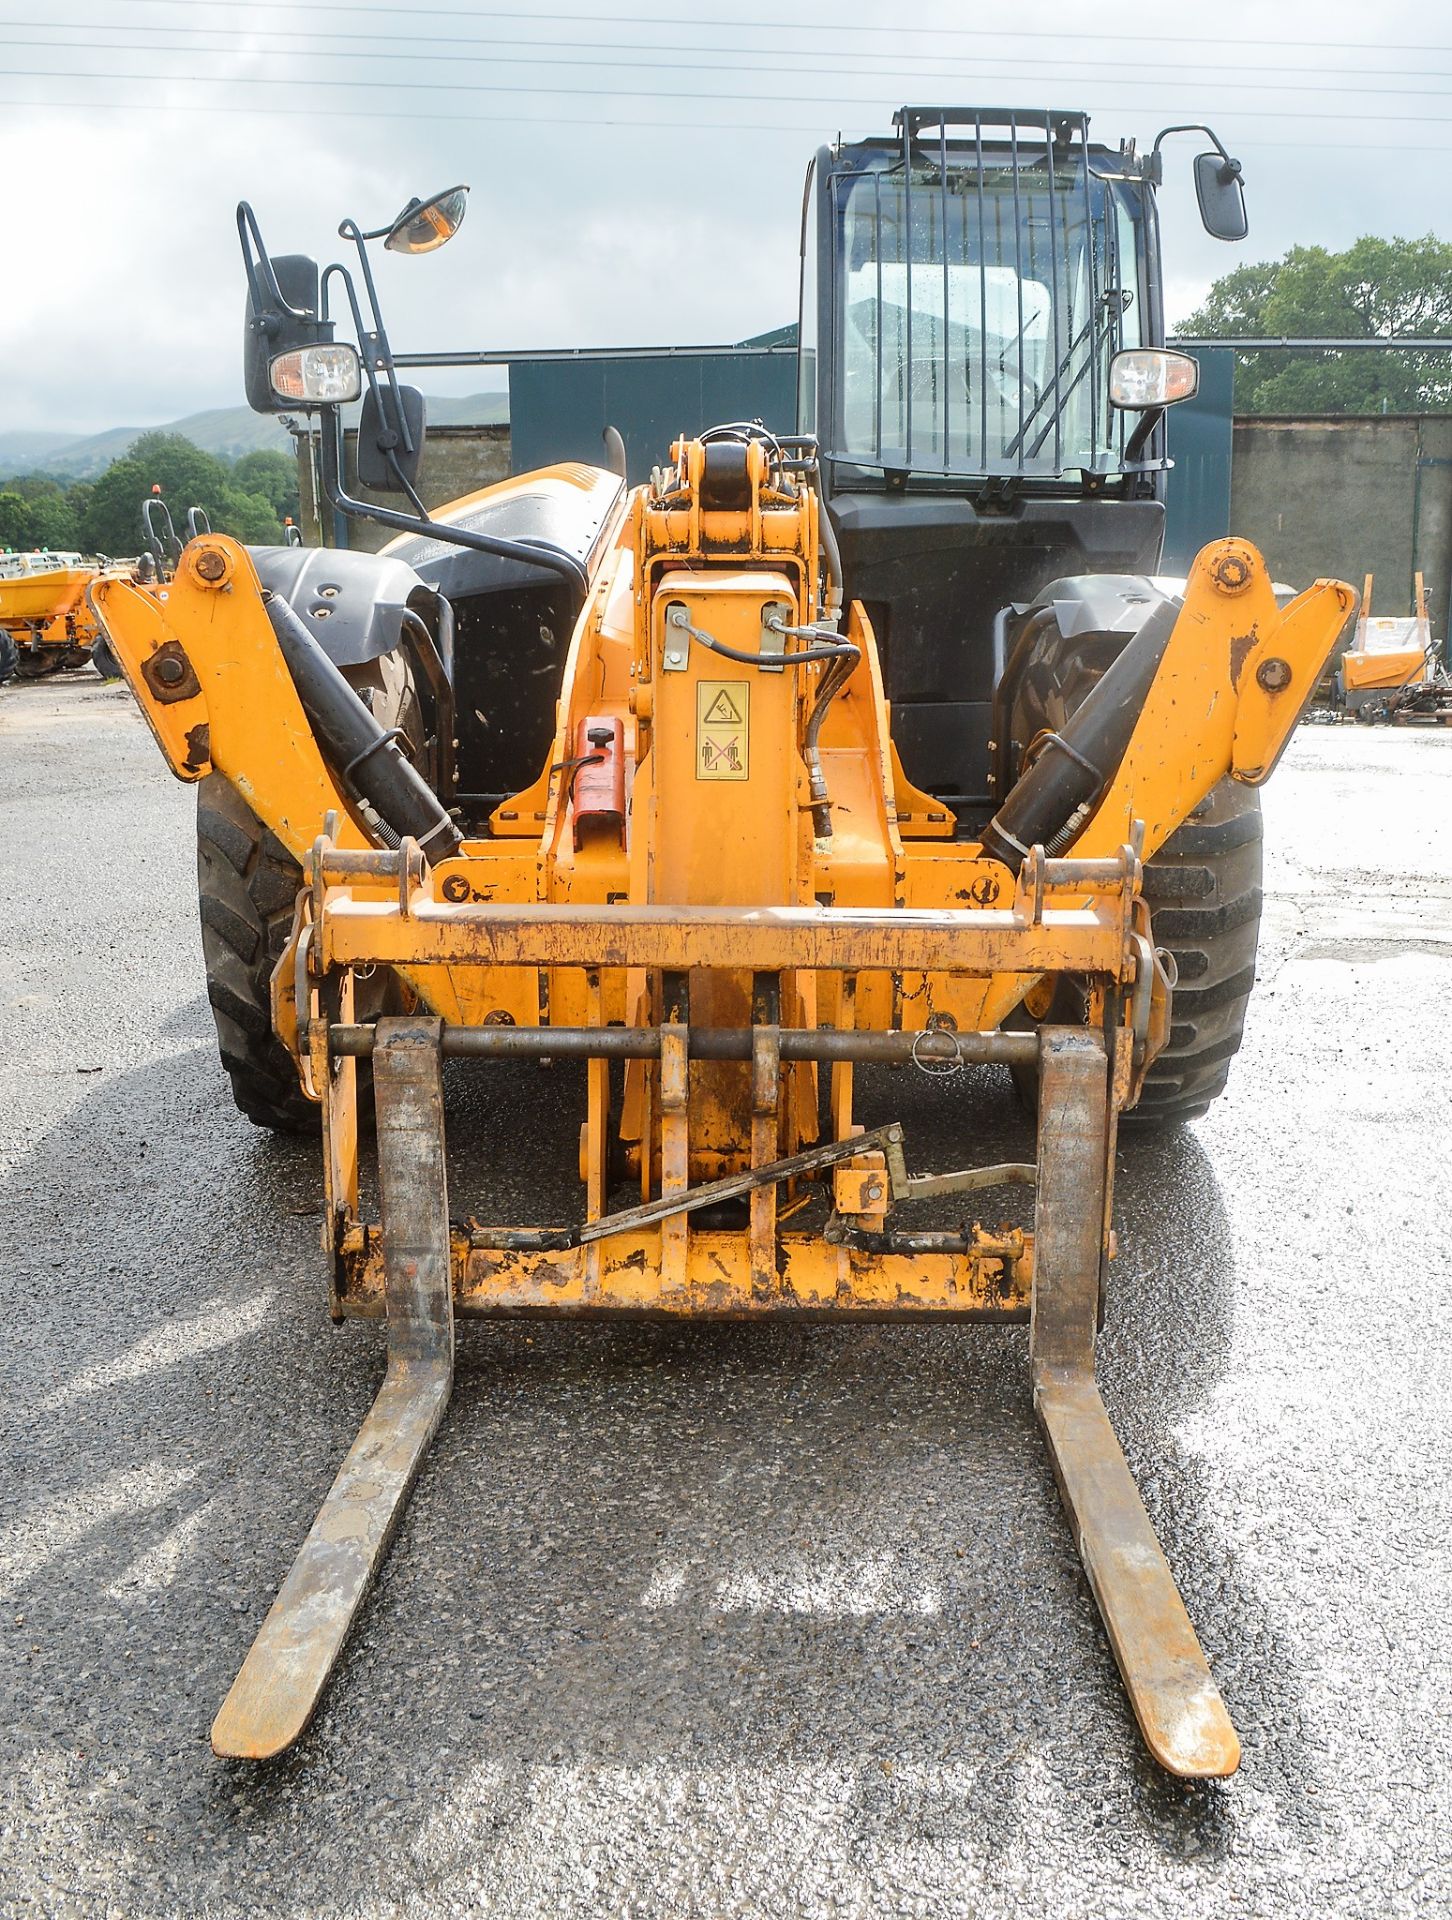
{"x":27,"y":452}
{"x":226,"y":431}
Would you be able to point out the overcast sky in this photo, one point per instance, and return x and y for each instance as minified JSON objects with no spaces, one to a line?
{"x":636,"y":168}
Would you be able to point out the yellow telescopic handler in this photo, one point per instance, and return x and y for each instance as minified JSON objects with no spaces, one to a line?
{"x":874,"y":742}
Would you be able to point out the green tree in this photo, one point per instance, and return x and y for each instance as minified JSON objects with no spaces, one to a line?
{"x":273,"y":476}
{"x":110,"y":521}
{"x":53,"y":522}
{"x":250,"y":516}
{"x":1380,"y":288}
{"x":14,"y":520}
{"x":36,"y":513}
{"x":78,"y":498}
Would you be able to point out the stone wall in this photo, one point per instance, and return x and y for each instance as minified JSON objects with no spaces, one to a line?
{"x":456,"y":461}
{"x":1323,"y":496}
{"x":1348,"y":497}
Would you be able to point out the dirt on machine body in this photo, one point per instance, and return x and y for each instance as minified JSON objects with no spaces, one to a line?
{"x":869,"y":742}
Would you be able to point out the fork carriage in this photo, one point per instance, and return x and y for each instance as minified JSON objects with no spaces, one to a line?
{"x":671,"y":1253}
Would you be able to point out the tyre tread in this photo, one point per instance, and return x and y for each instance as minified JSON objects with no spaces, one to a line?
{"x":246,"y":884}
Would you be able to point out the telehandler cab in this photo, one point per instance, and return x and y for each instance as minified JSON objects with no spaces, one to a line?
{"x":694,"y":856}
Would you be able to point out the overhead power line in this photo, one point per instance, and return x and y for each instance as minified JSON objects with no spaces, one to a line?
{"x":587,"y":57}
{"x":835,"y":28}
{"x":970,"y":65}
{"x":626,"y":123}
{"x":815,"y":100}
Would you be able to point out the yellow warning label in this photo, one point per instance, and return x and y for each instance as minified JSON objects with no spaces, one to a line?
{"x":723,"y":729}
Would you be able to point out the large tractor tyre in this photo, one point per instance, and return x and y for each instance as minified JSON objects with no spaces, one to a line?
{"x":103,"y":660}
{"x":247,"y":886}
{"x":247,"y":883}
{"x":1203,"y":890}
{"x":9,"y":654}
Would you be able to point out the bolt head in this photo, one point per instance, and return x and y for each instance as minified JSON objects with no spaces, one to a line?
{"x":170,"y":672}
{"x":1274,"y":675}
{"x":1231,"y":573}
{"x":211,"y":563}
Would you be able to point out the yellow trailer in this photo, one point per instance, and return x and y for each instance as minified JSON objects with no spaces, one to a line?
{"x":45,"y":623}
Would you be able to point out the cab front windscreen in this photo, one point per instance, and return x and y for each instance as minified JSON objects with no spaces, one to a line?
{"x":978,"y":307}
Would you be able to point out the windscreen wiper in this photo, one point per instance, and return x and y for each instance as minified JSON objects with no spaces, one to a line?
{"x":1095,"y":336}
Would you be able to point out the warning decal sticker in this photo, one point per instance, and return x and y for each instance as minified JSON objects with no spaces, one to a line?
{"x":723,"y":729}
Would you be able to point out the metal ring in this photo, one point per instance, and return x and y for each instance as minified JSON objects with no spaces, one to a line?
{"x":935,"y":1069}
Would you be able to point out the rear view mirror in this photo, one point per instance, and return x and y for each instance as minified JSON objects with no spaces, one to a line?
{"x":1221,"y":192}
{"x":426,"y":224}
{"x":271,"y":331}
{"x":390,"y":446}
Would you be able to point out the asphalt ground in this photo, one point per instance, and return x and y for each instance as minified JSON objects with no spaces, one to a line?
{"x":714,"y":1620}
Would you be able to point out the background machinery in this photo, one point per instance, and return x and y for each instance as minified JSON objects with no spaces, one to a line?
{"x":869,"y":744}
{"x":45,"y":621}
{"x":1391,"y":670}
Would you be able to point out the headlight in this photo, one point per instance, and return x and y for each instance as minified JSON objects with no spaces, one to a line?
{"x":317,"y":376}
{"x":1142,"y":377}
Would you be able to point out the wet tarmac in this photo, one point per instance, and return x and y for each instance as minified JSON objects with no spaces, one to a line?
{"x":721,"y":1621}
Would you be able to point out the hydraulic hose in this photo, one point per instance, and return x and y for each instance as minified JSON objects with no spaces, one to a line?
{"x":833,"y":680}
{"x":822,"y":644}
{"x":1052,"y":799}
{"x":369,"y":761}
{"x":832,"y":553}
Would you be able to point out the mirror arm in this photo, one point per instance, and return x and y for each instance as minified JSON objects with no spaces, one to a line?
{"x":367,"y":358}
{"x":1154,"y":162}
{"x":405,"y":485}
{"x":257,"y":263}
{"x":1135,"y":445}
{"x":525,"y":552}
{"x":375,"y":346}
{"x":367,"y":343}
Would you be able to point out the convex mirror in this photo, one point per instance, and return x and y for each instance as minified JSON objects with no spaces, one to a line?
{"x":426,"y":224}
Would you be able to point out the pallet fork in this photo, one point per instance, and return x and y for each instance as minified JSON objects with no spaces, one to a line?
{"x":283,"y":1677}
{"x":1175,"y":1700}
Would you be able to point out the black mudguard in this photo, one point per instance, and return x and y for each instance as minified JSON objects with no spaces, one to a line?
{"x":1059,"y":646}
{"x":353,"y":604}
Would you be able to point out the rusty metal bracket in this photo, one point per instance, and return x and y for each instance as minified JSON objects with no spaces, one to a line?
{"x":1007,"y":1173}
{"x":1176,"y":1702}
{"x":885,"y":1140}
{"x":169,"y":675}
{"x":283,"y":1677}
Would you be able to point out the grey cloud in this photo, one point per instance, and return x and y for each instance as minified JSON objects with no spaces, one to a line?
{"x":126,"y":288}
